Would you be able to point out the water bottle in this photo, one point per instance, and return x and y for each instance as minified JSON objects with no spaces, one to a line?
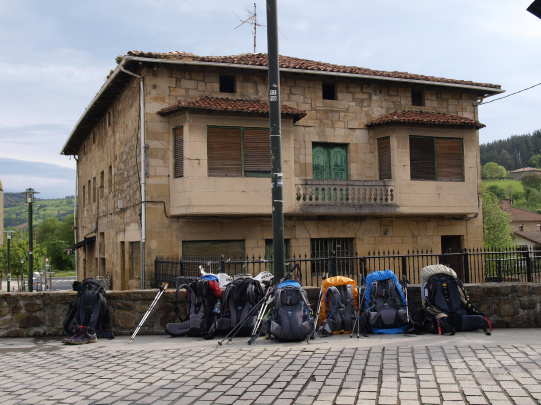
{"x":217,"y":307}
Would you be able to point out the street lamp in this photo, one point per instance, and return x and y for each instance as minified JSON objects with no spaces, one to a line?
{"x":8,"y":234}
{"x":30,"y":200}
{"x":22,"y":270}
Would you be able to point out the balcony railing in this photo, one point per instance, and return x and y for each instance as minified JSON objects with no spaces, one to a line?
{"x":347,"y":193}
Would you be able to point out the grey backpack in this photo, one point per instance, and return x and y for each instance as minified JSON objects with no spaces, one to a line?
{"x":340,"y":307}
{"x":291,"y":318}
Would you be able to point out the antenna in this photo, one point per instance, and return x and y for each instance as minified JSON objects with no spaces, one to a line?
{"x":252,"y":20}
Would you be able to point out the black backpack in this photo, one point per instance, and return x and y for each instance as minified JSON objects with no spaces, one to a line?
{"x":291,"y":318}
{"x":239,"y":297}
{"x":340,"y":308}
{"x":200,"y":317}
{"x":89,"y":309}
{"x":386,"y":310}
{"x":448,"y":308}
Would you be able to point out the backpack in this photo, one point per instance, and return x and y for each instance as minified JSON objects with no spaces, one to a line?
{"x":200,"y":316}
{"x":448,"y":308}
{"x":340,"y":308}
{"x":89,"y":309}
{"x":385,"y":310}
{"x":239,"y":297}
{"x":291,"y":318}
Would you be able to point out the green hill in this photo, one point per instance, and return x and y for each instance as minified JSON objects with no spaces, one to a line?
{"x":16,"y":209}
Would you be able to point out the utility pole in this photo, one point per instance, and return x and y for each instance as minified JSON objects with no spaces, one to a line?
{"x":275,"y":140}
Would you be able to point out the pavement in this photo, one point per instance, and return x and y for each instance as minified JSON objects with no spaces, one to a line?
{"x":467,"y":368}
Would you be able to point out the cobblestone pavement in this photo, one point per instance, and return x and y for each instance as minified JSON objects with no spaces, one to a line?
{"x":468,"y":368}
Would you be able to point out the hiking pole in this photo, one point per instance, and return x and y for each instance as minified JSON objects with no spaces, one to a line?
{"x":255,"y":334}
{"x":254,"y":309}
{"x":150,"y":308}
{"x":316,"y":318}
{"x":357,"y":324}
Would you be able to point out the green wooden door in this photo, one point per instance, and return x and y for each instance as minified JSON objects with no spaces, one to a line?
{"x":330,"y":162}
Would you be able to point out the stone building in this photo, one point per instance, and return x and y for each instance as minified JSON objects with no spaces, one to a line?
{"x":1,"y":212}
{"x":174,"y":152}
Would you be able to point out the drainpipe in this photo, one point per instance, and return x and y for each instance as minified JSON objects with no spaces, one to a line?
{"x":143,"y":178}
{"x":75,"y":203}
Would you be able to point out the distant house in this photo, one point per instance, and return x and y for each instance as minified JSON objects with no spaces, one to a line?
{"x":526,"y":225}
{"x":173,"y":160}
{"x":517,"y":174}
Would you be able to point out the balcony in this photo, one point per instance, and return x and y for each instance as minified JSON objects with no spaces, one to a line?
{"x":346,"y":197}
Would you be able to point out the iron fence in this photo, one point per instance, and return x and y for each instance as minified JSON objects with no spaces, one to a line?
{"x":471,"y":265}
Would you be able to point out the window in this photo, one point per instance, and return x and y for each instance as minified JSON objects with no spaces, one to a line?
{"x":539,"y":227}
{"x":110,"y":178}
{"x":102,"y":179}
{"x":417,"y":97}
{"x":384,"y":158}
{"x":437,"y":159}
{"x":520,"y":227}
{"x":238,"y":152}
{"x":227,"y":84}
{"x":269,"y":252}
{"x":84,"y":197}
{"x":329,"y":91}
{"x":210,"y":251}
{"x":89,"y":192}
{"x":94,"y":189}
{"x":329,"y":161}
{"x":179,"y":151}
{"x":327,"y":248}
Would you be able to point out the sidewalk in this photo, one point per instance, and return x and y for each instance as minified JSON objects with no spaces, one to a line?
{"x":468,"y":368}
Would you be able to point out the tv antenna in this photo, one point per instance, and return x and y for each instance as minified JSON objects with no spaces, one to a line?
{"x":252,"y":20}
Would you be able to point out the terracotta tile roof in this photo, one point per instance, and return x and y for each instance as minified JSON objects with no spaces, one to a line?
{"x":230,"y":105}
{"x":414,"y":117}
{"x":288,"y":62}
{"x":518,"y":215}
{"x":534,"y":237}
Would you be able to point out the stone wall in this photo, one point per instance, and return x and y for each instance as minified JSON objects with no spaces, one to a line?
{"x":41,"y":314}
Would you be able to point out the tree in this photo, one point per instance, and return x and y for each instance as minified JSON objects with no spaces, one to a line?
{"x":18,"y":251}
{"x":496,"y":223}
{"x":493,"y":170}
{"x":534,"y":160}
{"x":56,"y":236}
{"x":531,"y":180}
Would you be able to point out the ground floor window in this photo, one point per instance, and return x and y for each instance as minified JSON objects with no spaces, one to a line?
{"x":326,"y":249}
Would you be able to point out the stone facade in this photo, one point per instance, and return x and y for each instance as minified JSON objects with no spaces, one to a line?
{"x":199,"y":208}
{"x":507,"y":305}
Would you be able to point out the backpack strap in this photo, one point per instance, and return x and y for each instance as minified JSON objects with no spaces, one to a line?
{"x":190,"y":295}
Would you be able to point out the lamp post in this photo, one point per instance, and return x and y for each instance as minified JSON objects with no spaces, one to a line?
{"x":22,"y":270}
{"x":30,"y":200}
{"x":8,"y":234}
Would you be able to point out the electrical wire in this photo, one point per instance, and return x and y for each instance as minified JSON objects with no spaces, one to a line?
{"x":509,"y":95}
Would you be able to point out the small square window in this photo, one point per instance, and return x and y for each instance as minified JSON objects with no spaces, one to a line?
{"x":520,"y":228}
{"x":417,"y":97}
{"x":227,"y":84}
{"x":329,"y":91}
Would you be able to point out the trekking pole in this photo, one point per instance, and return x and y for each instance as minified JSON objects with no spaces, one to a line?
{"x":254,"y":309}
{"x":357,"y":324}
{"x":255,"y":334}
{"x":162,"y":289}
{"x":316,"y":318}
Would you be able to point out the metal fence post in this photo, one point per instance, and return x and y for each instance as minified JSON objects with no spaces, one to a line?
{"x":404,"y":261}
{"x":528,"y":266}
{"x":222,"y":264}
{"x":466,"y":262}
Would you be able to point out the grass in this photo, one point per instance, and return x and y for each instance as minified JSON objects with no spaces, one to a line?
{"x":64,"y":273}
{"x":507,"y":185}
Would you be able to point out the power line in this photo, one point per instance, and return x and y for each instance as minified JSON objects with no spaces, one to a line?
{"x":509,"y":95}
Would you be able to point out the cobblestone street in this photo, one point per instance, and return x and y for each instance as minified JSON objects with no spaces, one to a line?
{"x":471,"y":368}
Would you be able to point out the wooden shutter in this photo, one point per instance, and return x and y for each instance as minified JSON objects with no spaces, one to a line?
{"x":179,"y":152}
{"x":384,"y":156}
{"x":257,"y":151}
{"x":224,"y":152}
{"x":422,"y":158}
{"x":449,"y":159}
{"x":338,"y":158}
{"x":320,"y":163}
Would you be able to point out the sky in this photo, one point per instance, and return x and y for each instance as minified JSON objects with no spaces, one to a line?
{"x":56,"y":54}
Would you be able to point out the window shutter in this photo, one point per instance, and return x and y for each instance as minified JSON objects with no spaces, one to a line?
{"x":450,"y":159}
{"x":339,"y":163}
{"x":320,"y":163}
{"x":179,"y":152}
{"x":224,"y":152}
{"x":384,"y":150}
{"x":257,"y":151}
{"x":422,"y":158}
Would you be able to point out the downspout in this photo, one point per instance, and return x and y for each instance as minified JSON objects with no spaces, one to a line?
{"x":143,"y":181}
{"x":75,"y":228}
